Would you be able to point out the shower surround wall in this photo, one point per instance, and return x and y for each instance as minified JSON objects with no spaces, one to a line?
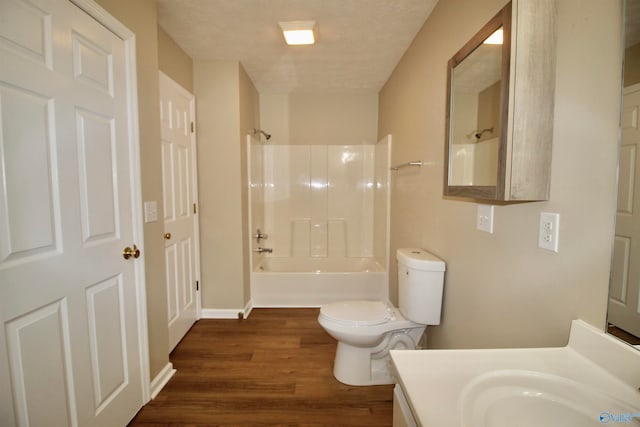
{"x":326,"y":211}
{"x":318,"y":200}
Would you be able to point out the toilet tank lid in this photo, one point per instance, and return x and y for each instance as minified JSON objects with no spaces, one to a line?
{"x":419,"y":259}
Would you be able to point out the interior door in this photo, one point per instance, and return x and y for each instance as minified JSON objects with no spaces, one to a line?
{"x":69,"y":342}
{"x":624,"y":295}
{"x":179,"y":176}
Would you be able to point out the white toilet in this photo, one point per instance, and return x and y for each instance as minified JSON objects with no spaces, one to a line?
{"x":367,"y":330}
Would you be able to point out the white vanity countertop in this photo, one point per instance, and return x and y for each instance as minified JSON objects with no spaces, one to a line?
{"x":434,"y":379}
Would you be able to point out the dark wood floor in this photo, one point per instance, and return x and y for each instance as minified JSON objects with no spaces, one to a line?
{"x":623,"y":335}
{"x":272,"y":369}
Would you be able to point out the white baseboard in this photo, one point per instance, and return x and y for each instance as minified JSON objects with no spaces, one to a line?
{"x":226,"y":313}
{"x":161,"y":379}
{"x":220,"y":313}
{"x":247,"y":309}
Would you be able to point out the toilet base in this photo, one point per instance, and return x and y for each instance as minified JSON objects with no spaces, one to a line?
{"x":362,"y":366}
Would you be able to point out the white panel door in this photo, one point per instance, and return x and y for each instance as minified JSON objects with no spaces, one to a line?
{"x":624,"y":294}
{"x":179,"y":179}
{"x":69,"y":341}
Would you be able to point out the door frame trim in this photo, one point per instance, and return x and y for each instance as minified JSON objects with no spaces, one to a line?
{"x":94,"y":10}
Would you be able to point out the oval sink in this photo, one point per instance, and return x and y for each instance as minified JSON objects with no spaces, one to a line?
{"x":519,"y":398}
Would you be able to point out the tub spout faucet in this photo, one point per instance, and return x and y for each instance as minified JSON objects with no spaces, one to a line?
{"x":262,"y":250}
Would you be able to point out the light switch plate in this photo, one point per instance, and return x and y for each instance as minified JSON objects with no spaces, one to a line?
{"x":548,"y":232}
{"x":150,"y":211}
{"x":485,"y":218}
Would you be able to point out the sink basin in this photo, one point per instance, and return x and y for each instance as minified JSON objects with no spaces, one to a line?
{"x":592,"y":381}
{"x":522,"y":398}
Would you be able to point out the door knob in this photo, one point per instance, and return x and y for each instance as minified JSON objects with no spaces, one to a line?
{"x":167,"y":236}
{"x":130,"y":252}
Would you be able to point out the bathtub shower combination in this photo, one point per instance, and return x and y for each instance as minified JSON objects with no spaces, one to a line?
{"x":325,"y":210}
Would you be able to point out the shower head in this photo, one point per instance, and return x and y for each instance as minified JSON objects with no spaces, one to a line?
{"x":266,"y":135}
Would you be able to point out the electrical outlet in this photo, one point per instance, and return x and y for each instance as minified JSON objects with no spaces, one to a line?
{"x":485,"y":218}
{"x":548,"y":231}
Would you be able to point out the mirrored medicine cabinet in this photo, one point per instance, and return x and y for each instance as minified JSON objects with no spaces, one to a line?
{"x":500,"y":94}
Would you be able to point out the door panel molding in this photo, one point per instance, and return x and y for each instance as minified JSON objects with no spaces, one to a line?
{"x":75,"y":340}
{"x":180,"y":191}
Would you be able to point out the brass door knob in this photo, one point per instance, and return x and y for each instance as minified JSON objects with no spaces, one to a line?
{"x":167,"y":236}
{"x":130,"y":252}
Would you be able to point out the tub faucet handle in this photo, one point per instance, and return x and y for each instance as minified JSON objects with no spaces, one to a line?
{"x":260,"y":235}
{"x":262,"y":250}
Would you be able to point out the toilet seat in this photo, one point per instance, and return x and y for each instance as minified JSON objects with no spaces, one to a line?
{"x":358,"y":313}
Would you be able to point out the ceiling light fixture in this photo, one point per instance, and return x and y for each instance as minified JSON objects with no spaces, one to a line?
{"x":299,"y":32}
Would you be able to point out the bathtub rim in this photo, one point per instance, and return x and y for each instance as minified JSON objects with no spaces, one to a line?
{"x":313,"y":289}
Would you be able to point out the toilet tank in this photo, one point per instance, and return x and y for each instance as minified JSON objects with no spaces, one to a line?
{"x":420,"y":285}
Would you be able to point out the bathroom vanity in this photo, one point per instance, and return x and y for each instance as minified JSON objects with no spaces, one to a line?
{"x":593,"y":381}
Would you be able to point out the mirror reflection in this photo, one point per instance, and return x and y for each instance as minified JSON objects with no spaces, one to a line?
{"x":475,"y":115}
{"x":624,"y":289}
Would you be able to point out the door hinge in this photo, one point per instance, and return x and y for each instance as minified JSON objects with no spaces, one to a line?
{"x":195,"y":210}
{"x":193,"y":126}
{"x":197,"y":285}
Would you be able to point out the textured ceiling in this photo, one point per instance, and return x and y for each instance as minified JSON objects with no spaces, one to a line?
{"x":359,"y":41}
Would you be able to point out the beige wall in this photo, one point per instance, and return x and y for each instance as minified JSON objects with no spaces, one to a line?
{"x":174,"y":62}
{"x":141,"y":18}
{"x":320,"y":119}
{"x":501,"y":289}
{"x":226,"y":105}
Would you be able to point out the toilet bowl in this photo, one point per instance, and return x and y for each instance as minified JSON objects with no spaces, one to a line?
{"x":362,"y":323}
{"x":367,"y":330}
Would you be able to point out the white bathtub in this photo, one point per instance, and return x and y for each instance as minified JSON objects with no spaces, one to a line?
{"x":311,"y":282}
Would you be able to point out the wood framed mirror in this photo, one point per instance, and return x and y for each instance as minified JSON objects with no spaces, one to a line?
{"x":477,"y":99}
{"x":499,"y":111}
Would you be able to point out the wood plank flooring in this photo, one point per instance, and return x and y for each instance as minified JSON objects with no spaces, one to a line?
{"x":623,"y":335}
{"x":271,"y":369}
